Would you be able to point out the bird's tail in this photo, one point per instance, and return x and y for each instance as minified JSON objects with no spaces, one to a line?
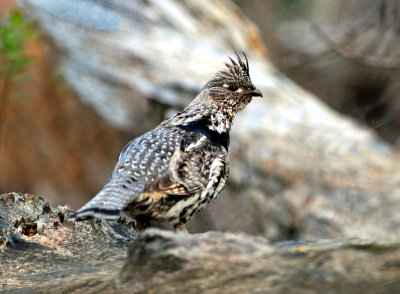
{"x":110,"y":201}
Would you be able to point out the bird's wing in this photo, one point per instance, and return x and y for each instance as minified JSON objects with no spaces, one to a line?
{"x":166,"y":163}
{"x":189,"y":167}
{"x":166,"y":185}
{"x":144,"y":160}
{"x":147,"y":157}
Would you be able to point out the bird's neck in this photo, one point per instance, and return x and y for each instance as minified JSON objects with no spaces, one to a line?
{"x":221,"y":120}
{"x":216,"y":119}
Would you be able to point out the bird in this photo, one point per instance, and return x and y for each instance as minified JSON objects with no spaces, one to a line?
{"x":175,"y":170}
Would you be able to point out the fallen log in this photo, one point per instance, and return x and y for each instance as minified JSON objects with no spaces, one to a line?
{"x":91,"y":257}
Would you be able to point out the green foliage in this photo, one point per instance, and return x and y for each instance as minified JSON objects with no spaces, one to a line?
{"x":15,"y":35}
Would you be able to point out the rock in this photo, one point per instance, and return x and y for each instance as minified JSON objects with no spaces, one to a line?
{"x":90,"y":257}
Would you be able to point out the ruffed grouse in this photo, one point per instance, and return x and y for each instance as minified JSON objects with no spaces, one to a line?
{"x":175,"y":170}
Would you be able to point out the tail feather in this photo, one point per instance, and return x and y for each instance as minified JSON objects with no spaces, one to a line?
{"x":95,"y":212}
{"x":110,"y":201}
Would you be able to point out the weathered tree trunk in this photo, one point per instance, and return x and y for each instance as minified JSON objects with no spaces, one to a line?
{"x":90,"y":257}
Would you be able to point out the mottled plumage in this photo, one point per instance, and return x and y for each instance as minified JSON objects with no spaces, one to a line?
{"x":174,"y":171}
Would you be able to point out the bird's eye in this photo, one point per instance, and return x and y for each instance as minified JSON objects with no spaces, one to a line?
{"x":233,"y":87}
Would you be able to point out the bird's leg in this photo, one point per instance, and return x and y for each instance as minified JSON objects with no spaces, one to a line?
{"x":142,"y":223}
{"x":180,"y":227}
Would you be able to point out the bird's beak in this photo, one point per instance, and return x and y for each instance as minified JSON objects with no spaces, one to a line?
{"x":256,"y":93}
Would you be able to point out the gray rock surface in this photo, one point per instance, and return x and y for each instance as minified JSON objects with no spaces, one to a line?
{"x":91,"y":257}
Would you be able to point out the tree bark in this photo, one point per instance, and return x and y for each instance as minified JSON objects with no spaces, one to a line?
{"x":90,"y":257}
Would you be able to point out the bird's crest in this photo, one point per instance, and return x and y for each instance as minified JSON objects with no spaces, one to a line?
{"x":237,"y":71}
{"x":238,"y":67}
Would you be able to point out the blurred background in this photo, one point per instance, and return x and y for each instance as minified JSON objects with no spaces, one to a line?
{"x":79,"y":79}
{"x":346,"y":52}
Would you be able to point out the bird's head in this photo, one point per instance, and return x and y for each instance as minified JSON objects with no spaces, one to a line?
{"x":232,"y":88}
{"x":226,"y":93}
